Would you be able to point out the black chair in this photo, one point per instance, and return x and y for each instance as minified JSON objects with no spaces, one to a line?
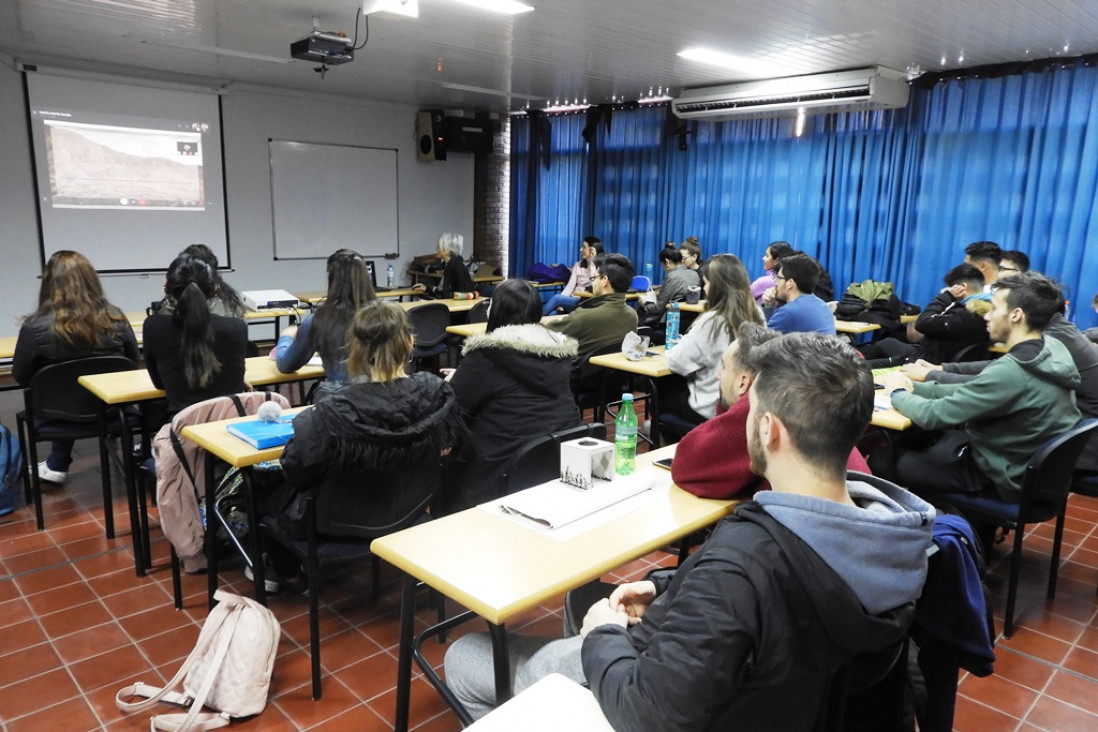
{"x":343,"y":515}
{"x":591,"y":385}
{"x":538,"y":461}
{"x":1045,"y":487}
{"x":57,"y":407}
{"x":479,"y":312}
{"x":429,"y":324}
{"x":972,"y":352}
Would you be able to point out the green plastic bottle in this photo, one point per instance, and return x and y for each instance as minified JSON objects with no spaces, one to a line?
{"x":625,"y":437}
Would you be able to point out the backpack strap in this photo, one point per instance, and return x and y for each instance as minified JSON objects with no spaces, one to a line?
{"x":240,"y":410}
{"x":177,"y":447}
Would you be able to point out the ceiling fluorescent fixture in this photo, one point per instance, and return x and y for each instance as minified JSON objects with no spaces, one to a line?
{"x":220,"y":51}
{"x":508,"y":7}
{"x":565,"y":107}
{"x":395,"y":9}
{"x":742,"y":64}
{"x":871,"y":88}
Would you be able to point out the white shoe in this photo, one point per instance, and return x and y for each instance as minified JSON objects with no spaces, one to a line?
{"x":51,"y":476}
{"x":271,"y":586}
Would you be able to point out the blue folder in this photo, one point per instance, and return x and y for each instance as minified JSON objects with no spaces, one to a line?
{"x":262,"y":435}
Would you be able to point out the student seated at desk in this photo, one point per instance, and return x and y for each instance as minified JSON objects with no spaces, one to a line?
{"x":692,"y":393}
{"x":225,"y":300}
{"x":382,"y":418}
{"x":512,"y":386}
{"x":749,"y":631}
{"x":583,"y":272}
{"x":802,"y":311}
{"x":678,"y":279}
{"x":455,"y":275}
{"x":711,"y":461}
{"x":691,"y":253}
{"x":995,"y":422}
{"x":191,"y":353}
{"x":324,"y":330}
{"x":73,"y":320}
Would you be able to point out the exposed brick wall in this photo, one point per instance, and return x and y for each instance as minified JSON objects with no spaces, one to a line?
{"x":492,"y":199}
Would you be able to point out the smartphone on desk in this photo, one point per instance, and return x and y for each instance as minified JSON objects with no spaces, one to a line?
{"x":665,"y":463}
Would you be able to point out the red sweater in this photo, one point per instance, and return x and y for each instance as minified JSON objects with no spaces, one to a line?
{"x":712,"y":460}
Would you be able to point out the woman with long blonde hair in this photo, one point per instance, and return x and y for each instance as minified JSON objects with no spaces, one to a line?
{"x":73,"y":320}
{"x":697,"y":355}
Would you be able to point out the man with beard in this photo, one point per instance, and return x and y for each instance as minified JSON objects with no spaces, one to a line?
{"x":998,"y":419}
{"x":820,"y":569}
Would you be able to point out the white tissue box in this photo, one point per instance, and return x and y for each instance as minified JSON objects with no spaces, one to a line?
{"x":585,"y":461}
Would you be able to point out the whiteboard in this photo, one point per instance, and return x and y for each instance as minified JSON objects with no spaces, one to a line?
{"x":326,"y":197}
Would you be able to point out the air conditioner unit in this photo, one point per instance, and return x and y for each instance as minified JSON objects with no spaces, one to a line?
{"x":839,"y":91}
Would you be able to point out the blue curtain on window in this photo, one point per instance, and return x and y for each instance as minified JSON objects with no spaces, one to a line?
{"x":884,"y":195}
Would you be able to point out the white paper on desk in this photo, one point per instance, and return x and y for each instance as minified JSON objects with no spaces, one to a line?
{"x":555,"y":504}
{"x":882,"y":401}
{"x":315,"y":361}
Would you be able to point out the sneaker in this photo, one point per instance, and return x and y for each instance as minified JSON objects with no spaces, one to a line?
{"x":51,"y":476}
{"x":269,"y":584}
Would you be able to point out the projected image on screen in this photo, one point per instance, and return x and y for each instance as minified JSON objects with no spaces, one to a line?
{"x":106,"y":166}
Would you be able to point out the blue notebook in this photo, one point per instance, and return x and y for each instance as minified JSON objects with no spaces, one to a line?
{"x":262,"y":435}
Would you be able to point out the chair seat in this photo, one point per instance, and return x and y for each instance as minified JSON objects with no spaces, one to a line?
{"x":999,"y":509}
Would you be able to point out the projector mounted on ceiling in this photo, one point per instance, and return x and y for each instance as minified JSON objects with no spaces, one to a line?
{"x":876,"y":87}
{"x":324,"y":48}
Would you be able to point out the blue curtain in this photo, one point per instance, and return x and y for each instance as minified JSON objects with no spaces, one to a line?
{"x":884,"y":195}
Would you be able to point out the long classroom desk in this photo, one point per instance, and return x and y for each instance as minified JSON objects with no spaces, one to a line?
{"x":122,"y":388}
{"x":471,"y":329}
{"x":499,"y":568}
{"x":315,"y":297}
{"x":651,"y":367}
{"x":454,"y":306}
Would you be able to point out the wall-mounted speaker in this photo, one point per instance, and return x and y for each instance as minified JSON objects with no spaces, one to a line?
{"x":430,"y":141}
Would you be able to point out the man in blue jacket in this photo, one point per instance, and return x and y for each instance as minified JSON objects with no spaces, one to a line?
{"x":803,"y":311}
{"x":750,"y":630}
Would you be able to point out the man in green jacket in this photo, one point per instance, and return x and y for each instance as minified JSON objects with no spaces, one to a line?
{"x":605,"y":318}
{"x":997,"y":420}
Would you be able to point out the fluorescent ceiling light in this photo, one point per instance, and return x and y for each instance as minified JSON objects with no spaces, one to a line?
{"x":728,"y":61}
{"x":510,"y":7}
{"x":655,"y":100}
{"x":220,"y":51}
{"x":485,"y":90}
{"x":566,"y":107}
{"x":390,"y":8}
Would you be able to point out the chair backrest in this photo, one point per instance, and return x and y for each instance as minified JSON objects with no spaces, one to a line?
{"x":54,"y":393}
{"x":972,"y":352}
{"x":538,"y":460}
{"x":583,"y":373}
{"x":641,"y":284}
{"x":479,"y":312}
{"x":366,"y":504}
{"x":1049,"y":474}
{"x":429,"y":324}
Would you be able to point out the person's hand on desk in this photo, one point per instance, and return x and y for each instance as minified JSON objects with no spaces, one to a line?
{"x":918,"y":371}
{"x":602,"y":614}
{"x":633,"y":598}
{"x":419,"y":287}
{"x":895,"y":381}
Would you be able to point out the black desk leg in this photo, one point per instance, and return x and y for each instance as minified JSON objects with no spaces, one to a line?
{"x":138,"y":532}
{"x":654,"y":417}
{"x":211,"y":535}
{"x":404,"y":660}
{"x":501,"y":662}
{"x":105,"y":474}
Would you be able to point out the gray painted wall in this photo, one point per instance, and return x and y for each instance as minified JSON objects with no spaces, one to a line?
{"x":433,"y":197}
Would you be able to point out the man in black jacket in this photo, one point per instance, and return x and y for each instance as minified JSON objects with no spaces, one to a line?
{"x":752,"y":628}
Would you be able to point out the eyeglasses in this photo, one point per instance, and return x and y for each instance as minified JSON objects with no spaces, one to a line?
{"x":1009,"y":269}
{"x":780,"y":277}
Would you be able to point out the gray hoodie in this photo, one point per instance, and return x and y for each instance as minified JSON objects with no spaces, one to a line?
{"x":887,"y":517}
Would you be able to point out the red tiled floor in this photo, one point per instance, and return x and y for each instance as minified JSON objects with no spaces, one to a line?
{"x":74,"y":613}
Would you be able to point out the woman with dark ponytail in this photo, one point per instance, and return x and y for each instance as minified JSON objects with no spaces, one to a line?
{"x":191,"y":353}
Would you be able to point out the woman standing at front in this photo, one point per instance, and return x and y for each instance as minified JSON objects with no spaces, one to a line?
{"x":694,"y":393}
{"x":191,"y":353}
{"x":73,"y":320}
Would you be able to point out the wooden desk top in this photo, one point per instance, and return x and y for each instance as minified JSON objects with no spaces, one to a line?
{"x":855,"y":326}
{"x":476,"y":278}
{"x":651,"y":366}
{"x":216,"y":440}
{"x":317,"y":296}
{"x":553,"y":703}
{"x":889,"y":419}
{"x":137,"y":318}
{"x":7,"y":347}
{"x":499,"y":568}
{"x":124,"y":387}
{"x":471,"y":329}
{"x":628,"y":296}
{"x":905,"y":319}
{"x":455,"y":306}
{"x":997,"y":348}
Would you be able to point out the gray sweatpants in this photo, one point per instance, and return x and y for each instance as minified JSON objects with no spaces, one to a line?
{"x":469,"y":671}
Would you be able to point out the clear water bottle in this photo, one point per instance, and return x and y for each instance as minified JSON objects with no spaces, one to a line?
{"x":672,"y":332}
{"x":648,"y":271}
{"x":625,"y":437}
{"x":390,"y":276}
